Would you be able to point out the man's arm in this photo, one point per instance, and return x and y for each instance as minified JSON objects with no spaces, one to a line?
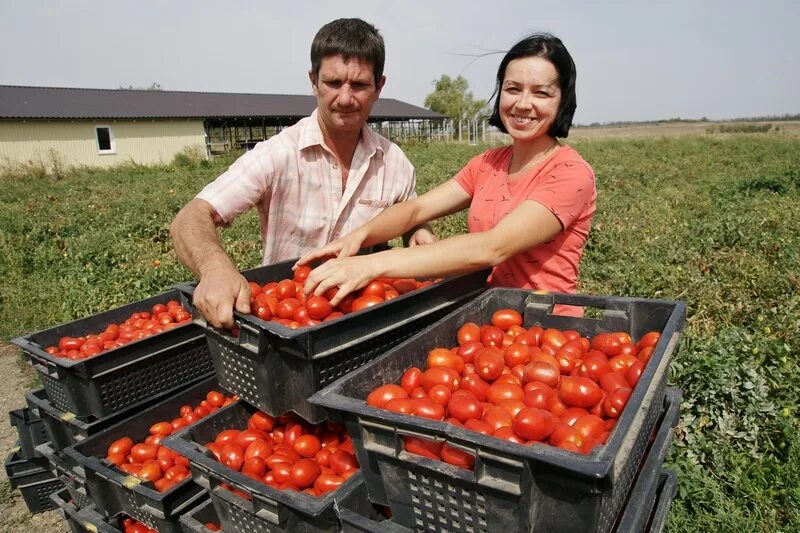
{"x":419,"y":235}
{"x":221,"y":286}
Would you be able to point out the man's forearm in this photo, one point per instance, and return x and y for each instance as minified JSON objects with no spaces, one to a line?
{"x":194,"y":236}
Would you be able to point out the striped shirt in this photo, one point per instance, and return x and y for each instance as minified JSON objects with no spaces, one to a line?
{"x":295,"y":182}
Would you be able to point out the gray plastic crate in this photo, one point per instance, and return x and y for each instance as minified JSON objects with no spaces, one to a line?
{"x":276,"y":368}
{"x":35,"y":485}
{"x":512,"y":487}
{"x":113,"y":491}
{"x":73,"y":482}
{"x":667,"y":487}
{"x":82,"y":519}
{"x":195,"y":520}
{"x":270,"y":509}
{"x":30,"y":429}
{"x":17,"y":466}
{"x":111,"y":381}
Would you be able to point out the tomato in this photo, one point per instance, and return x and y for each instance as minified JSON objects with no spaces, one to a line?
{"x":645,"y":354}
{"x":374,"y":288}
{"x":305,"y":472}
{"x":553,"y":337}
{"x":446,"y":358}
{"x":565,"y":433}
{"x":328,"y":482}
{"x":161,"y":428}
{"x":607,"y":343}
{"x":496,"y":417}
{"x":476,"y":385}
{"x":507,"y":433}
{"x":403,"y":406}
{"x":116,"y":458}
{"x":491,"y":335}
{"x":365,"y":302}
{"x":539,"y":397}
{"x":478,"y":426}
{"x":258,"y":448}
{"x":246,"y":437}
{"x":634,"y":373}
{"x":291,"y":433}
{"x":440,"y":375}
{"x":286,"y":288}
{"x":648,"y":340}
{"x":142,"y":452}
{"x":517,"y":354}
{"x":505,"y":318}
{"x":423,"y":447}
{"x":69,"y":343}
{"x":262,"y":421}
{"x":380,"y":396}
{"x":580,"y":392}
{"x":411,"y":379}
{"x":282,"y":472}
{"x":307,"y":445}
{"x":504,"y":391}
{"x":532,"y":423}
{"x":457,"y":457}
{"x":615,"y":402}
{"x":543,"y":372}
{"x":232,"y":456}
{"x":404,"y":285}
{"x":468,"y":350}
{"x":287,"y":307}
{"x":489,"y":363}
{"x":343,"y":461}
{"x":593,"y":368}
{"x":567,"y":360}
{"x":622,"y":362}
{"x":121,"y":446}
{"x":301,"y":274}
{"x":150,"y":471}
{"x":427,"y":408}
{"x":613,"y":380}
{"x":440,"y":394}
{"x":589,"y":426}
{"x":469,"y":332}
{"x":318,"y":307}
{"x":463,"y":406}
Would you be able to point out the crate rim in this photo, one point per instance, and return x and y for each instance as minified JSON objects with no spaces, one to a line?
{"x":596,"y":464}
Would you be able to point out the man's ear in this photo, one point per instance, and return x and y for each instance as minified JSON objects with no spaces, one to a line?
{"x":380,"y":85}
{"x":313,"y":80}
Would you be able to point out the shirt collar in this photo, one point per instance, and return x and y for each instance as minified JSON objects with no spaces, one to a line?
{"x":311,"y":135}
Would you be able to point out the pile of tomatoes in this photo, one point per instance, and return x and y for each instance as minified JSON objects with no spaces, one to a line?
{"x":138,"y":326}
{"x":287,"y":453}
{"x":535,"y":385}
{"x":129,"y":525}
{"x":285,"y":302}
{"x":149,"y":460}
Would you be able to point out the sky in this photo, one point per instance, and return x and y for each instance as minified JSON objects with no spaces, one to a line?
{"x":636,"y":60}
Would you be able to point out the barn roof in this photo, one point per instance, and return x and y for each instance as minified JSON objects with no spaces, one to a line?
{"x":20,"y":102}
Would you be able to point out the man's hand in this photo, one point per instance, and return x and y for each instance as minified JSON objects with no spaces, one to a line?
{"x":219,"y":290}
{"x":423,"y":235}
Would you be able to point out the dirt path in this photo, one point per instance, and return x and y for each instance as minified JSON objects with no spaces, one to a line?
{"x":17,"y":379}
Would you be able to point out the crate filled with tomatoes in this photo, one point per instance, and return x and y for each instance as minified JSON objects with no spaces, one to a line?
{"x":268,"y":473}
{"x":101,"y":364}
{"x":526,"y":418}
{"x":291,"y":346}
{"x":128,"y":470}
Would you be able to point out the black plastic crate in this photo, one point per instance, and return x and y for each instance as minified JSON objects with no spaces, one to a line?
{"x":276,"y":368}
{"x":114,"y":491}
{"x":30,"y":429}
{"x":17,"y":466}
{"x":35,"y":484}
{"x":643,"y":495}
{"x":79,"y":519}
{"x":512,"y":487}
{"x":65,"y":429}
{"x":113,"y":380}
{"x":195,"y":520}
{"x":73,"y":482}
{"x":667,"y":487}
{"x":270,"y":509}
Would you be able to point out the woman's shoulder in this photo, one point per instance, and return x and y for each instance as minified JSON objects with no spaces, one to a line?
{"x":493,"y":158}
{"x":567,"y":156}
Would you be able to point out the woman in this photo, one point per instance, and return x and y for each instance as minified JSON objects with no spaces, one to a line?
{"x":530,"y":204}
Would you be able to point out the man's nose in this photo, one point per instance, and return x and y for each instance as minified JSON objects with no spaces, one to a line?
{"x":345,"y":96}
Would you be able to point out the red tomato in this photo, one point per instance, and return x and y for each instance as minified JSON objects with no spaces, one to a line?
{"x":507,"y":433}
{"x":478,"y":426}
{"x":258,"y":448}
{"x":307,"y":446}
{"x":318,"y":307}
{"x":305,"y":472}
{"x":226,"y":436}
{"x":380,"y":396}
{"x":476,"y":385}
{"x":616,"y":401}
{"x":427,"y":408}
{"x":150,"y":471}
{"x":287,"y":307}
{"x":286,"y":289}
{"x":142,"y":452}
{"x":404,"y":285}
{"x":457,"y":457}
{"x":262,"y":421}
{"x":464,"y":406}
{"x":401,"y":405}
{"x":232,"y":456}
{"x":607,"y":343}
{"x":504,"y":391}
{"x":446,"y":358}
{"x":634,"y":373}
{"x":301,"y":274}
{"x":440,"y":375}
{"x":532,"y":423}
{"x":553,"y":337}
{"x":440,"y":394}
{"x":489,"y":363}
{"x":121,"y":446}
{"x":580,"y":392}
{"x":468,"y":350}
{"x":572,"y":414}
{"x":328,"y":482}
{"x":505,"y":318}
{"x":517,"y":354}
{"x":411,"y":379}
{"x":491,"y":335}
{"x":593,"y":368}
{"x":423,"y":447}
{"x":246,"y":437}
{"x":539,"y":397}
{"x":613,"y":380}
{"x":365,"y":302}
{"x":343,"y":461}
{"x":543,"y":372}
{"x":161,"y":428}
{"x":648,"y":340}
{"x":589,"y":426}
{"x":469,"y":332}
{"x":374,"y":288}
{"x":497,"y":417}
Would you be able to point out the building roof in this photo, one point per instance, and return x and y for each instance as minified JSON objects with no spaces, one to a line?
{"x":20,"y":102}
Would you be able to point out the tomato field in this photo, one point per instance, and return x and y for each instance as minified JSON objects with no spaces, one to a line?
{"x":713,"y":220}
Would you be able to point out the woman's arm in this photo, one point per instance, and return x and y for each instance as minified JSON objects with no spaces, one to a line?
{"x":527,"y":226}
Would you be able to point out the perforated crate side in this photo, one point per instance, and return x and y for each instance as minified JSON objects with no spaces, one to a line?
{"x":37,"y":494}
{"x":30,"y":429}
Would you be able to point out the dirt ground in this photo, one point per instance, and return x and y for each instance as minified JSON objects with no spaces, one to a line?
{"x":18,"y":378}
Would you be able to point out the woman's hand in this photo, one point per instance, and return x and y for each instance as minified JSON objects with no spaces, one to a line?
{"x":345,"y":247}
{"x":347,"y":273}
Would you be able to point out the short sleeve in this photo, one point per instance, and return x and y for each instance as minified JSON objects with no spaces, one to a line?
{"x":568,"y":191}
{"x":467,"y":177}
{"x":244,"y":183}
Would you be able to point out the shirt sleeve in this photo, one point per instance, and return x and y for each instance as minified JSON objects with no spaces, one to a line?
{"x":467,"y":177}
{"x":568,"y":191}
{"x":244,"y":183}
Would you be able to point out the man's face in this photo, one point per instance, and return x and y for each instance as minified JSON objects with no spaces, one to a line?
{"x":346,"y":92}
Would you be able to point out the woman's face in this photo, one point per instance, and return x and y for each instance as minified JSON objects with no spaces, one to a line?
{"x":529,"y":98}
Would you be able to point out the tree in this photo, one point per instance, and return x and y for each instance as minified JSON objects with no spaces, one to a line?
{"x":154,"y":87}
{"x":453,"y":99}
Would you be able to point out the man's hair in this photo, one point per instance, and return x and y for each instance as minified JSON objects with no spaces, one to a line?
{"x":551,"y":48}
{"x":350,"y":38}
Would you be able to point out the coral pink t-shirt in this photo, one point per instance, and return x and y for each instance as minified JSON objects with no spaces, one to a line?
{"x":564,"y":183}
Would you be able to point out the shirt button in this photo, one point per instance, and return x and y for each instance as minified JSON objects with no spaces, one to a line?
{"x":336,"y":165}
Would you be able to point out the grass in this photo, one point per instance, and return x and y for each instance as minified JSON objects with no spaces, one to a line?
{"x":713,"y":221}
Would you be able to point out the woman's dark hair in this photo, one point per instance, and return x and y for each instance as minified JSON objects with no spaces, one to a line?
{"x":551,"y":48}
{"x":349,"y":38}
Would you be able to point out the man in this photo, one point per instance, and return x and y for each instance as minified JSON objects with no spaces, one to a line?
{"x":320,"y":179}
